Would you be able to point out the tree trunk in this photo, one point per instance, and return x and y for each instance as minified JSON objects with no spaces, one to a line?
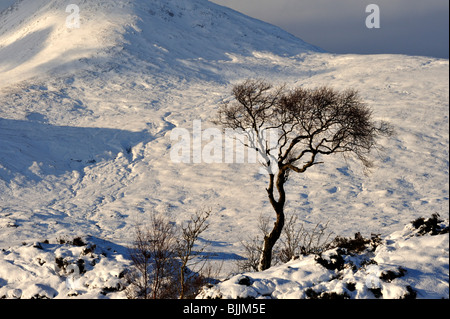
{"x":270,"y":241}
{"x":278,"y":205}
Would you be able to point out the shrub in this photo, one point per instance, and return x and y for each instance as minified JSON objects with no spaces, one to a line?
{"x":165,"y":265}
{"x":357,"y":244}
{"x":295,"y":240}
{"x":430,"y":225}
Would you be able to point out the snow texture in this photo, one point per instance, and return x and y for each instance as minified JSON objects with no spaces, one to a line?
{"x":405,"y":265}
{"x":85,"y":138}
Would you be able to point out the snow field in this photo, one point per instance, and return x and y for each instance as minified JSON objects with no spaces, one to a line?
{"x":87,"y":116}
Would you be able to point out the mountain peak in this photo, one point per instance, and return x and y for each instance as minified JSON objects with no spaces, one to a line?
{"x":40,"y":36}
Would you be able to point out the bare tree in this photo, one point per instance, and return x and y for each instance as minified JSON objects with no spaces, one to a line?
{"x":190,"y":233}
{"x":165,"y":264}
{"x":153,"y":257}
{"x":310,"y":124}
{"x":138,"y":279}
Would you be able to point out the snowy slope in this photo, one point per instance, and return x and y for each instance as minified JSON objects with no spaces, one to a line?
{"x":87,"y":116}
{"x":170,"y":36}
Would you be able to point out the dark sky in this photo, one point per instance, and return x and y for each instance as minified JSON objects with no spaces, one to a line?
{"x":413,"y":27}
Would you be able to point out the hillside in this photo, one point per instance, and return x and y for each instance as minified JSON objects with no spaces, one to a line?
{"x":408,"y":264}
{"x":179,"y":38}
{"x":86,"y":119}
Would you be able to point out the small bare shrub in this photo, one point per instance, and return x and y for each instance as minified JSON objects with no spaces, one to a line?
{"x":192,"y":263}
{"x":252,"y":255}
{"x":295,"y":240}
{"x":153,"y":257}
{"x":253,"y":248}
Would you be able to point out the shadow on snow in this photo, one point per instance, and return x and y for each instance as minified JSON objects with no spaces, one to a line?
{"x":35,"y":149}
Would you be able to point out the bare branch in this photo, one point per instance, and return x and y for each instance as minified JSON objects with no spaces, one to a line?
{"x":316,"y":122}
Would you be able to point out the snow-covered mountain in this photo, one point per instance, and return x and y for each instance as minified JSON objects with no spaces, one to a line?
{"x":169,"y":36}
{"x":87,"y":113}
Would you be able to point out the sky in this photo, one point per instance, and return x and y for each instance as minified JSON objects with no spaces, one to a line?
{"x":412,"y":27}
{"x":5,"y":4}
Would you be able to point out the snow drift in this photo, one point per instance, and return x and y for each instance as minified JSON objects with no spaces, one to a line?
{"x":408,"y":264}
{"x":411,"y":263}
